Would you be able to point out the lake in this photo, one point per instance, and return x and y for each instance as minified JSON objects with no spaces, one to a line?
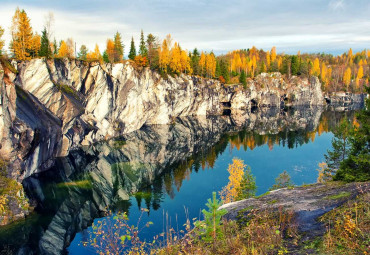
{"x":169,"y":169}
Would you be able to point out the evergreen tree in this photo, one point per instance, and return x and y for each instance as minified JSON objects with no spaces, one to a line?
{"x":282,"y":181}
{"x":357,"y":165}
{"x":82,"y":55}
{"x":195,"y":62}
{"x":132,"y":53}
{"x":45,"y":50}
{"x":248,"y":186}
{"x":243,"y":78}
{"x":294,"y":65}
{"x":55,"y":47}
{"x":143,"y":51}
{"x":211,"y":230}
{"x":118,"y":47}
{"x":341,"y":147}
{"x":105,"y":57}
{"x":152,"y":50}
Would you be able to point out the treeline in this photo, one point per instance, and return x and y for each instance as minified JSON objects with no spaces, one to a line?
{"x":347,"y":72}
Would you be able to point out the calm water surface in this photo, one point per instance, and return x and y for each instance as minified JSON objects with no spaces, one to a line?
{"x":168,"y":170}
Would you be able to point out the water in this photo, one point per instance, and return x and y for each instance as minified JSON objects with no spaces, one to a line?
{"x":168,"y":169}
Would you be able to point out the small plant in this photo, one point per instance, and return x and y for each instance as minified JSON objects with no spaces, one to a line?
{"x":282,"y":181}
{"x":210,"y":229}
{"x":114,"y":235}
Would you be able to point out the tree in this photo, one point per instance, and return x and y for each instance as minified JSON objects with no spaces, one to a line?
{"x":49,"y":22}
{"x":210,"y":228}
{"x":360,"y":74}
{"x":21,"y":29}
{"x":63,"y":49}
{"x":118,"y":47}
{"x":151,"y":43}
{"x":282,"y":181}
{"x":45,"y":50}
{"x":164,"y":56}
{"x":294,"y":65}
{"x":241,"y":183}
{"x":82,"y":54}
{"x":195,"y":61}
{"x":248,"y":186}
{"x":35,"y":45}
{"x":1,"y":41}
{"x":95,"y":55}
{"x":105,"y":57}
{"x":132,"y":53}
{"x":273,"y":54}
{"x":347,"y":77}
{"x":55,"y":46}
{"x":357,"y":164}
{"x":243,"y":78}
{"x":341,"y":146}
{"x":143,"y":51}
{"x":110,"y":51}
{"x":316,"y":67}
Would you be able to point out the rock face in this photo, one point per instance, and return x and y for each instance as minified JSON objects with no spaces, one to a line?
{"x":49,"y":107}
{"x":307,"y":204}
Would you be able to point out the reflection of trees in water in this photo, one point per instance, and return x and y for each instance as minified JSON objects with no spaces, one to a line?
{"x":114,"y":171}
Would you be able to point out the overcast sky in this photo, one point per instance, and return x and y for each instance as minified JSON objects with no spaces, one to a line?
{"x":308,"y":25}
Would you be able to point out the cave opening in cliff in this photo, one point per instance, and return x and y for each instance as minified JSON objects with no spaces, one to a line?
{"x":226,"y":104}
{"x":226,"y":112}
{"x":254,"y":106}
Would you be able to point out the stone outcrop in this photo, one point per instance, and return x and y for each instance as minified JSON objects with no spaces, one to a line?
{"x":306,"y":203}
{"x":49,"y":107}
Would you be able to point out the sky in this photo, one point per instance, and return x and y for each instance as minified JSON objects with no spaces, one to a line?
{"x":331,"y":26}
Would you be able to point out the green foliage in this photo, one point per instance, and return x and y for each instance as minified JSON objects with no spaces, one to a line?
{"x":82,"y":53}
{"x":132,"y":53}
{"x":282,"y":181}
{"x":294,"y":65}
{"x":143,"y":51}
{"x":248,"y":185}
{"x":340,"y":195}
{"x":118,"y":47}
{"x":341,"y":146}
{"x":45,"y":50}
{"x":243,"y":78}
{"x":210,"y":229}
{"x":105,"y":57}
{"x":356,"y":167}
{"x":114,"y":235}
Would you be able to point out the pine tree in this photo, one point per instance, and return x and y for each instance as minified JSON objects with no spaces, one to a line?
{"x":82,"y":54}
{"x":243,"y":78}
{"x":356,"y":166}
{"x":45,"y":50}
{"x":294,"y":65}
{"x":143,"y":51}
{"x":105,"y":57}
{"x":341,"y":146}
{"x":282,"y":181}
{"x":132,"y":53}
{"x":210,"y":229}
{"x":118,"y":47}
{"x":247,"y":186}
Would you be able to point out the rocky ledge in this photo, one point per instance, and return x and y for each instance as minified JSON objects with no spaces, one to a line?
{"x":307,"y":203}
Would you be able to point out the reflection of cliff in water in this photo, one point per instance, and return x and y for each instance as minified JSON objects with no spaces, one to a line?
{"x":147,"y":164}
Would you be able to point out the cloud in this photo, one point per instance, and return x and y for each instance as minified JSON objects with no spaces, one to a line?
{"x":337,"y":5}
{"x":290,"y":25}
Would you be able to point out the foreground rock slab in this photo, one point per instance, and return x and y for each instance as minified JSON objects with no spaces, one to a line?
{"x":307,"y":203}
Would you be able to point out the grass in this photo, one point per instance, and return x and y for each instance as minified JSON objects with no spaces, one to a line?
{"x":67,"y":90}
{"x":83,"y":184}
{"x":341,"y":195}
{"x":348,"y":228}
